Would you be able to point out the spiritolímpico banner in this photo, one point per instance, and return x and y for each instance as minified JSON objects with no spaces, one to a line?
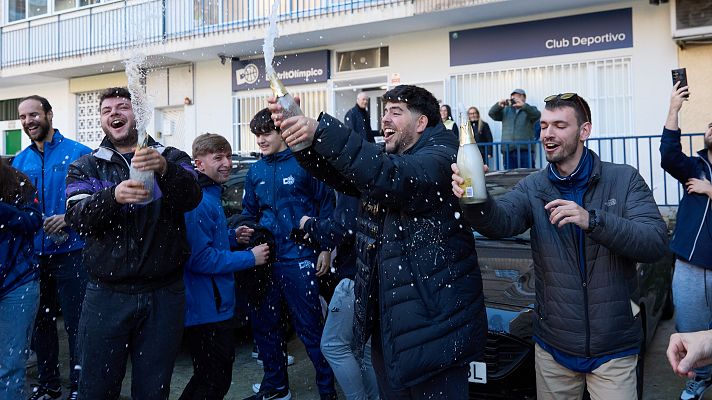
{"x":292,"y":69}
{"x":581,"y":33}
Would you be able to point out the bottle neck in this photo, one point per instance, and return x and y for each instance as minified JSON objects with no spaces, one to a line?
{"x":277,"y":86}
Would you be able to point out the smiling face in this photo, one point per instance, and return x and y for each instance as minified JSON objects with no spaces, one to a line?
{"x":35,"y":122}
{"x":401,"y":127}
{"x":270,"y":143}
{"x":118,"y":122}
{"x":473,"y":115}
{"x":563,"y":138}
{"x":215,"y":165}
{"x":443,"y":113}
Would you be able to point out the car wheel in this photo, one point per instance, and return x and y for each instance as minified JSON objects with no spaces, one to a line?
{"x":669,"y":307}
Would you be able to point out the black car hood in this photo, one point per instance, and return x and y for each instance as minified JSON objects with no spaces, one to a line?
{"x":508,"y":283}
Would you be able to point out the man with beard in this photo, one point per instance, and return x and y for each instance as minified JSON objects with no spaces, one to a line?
{"x":135,"y":250}
{"x":418,"y":292}
{"x":358,"y":118}
{"x":692,"y":239}
{"x":591,"y":222}
{"x":58,"y":247}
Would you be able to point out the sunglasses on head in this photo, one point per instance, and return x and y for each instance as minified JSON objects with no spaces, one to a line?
{"x":569,"y":96}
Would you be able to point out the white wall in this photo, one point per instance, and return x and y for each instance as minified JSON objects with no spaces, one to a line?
{"x":213,"y":99}
{"x":62,"y":101}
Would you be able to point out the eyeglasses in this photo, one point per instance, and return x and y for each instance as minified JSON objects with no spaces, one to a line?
{"x":570,"y":97}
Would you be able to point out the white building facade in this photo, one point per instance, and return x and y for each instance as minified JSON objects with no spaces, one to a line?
{"x":204,"y":57}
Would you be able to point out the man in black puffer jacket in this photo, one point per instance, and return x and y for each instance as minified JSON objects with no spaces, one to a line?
{"x":418,"y":285}
{"x":135,"y":250}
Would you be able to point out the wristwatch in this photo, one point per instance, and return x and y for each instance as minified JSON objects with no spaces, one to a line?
{"x":593,"y":221}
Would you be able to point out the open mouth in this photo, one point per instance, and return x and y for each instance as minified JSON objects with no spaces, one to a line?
{"x":388,"y":132}
{"x":551,"y":146}
{"x":117,"y":123}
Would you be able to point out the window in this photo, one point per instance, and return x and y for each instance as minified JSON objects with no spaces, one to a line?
{"x":362,"y":59}
{"x":21,"y":9}
{"x":16,"y":10}
{"x":88,"y":125}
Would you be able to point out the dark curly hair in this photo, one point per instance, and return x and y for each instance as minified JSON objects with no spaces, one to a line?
{"x":114,"y":92}
{"x":14,"y":185}
{"x":262,"y":122}
{"x":417,"y":100}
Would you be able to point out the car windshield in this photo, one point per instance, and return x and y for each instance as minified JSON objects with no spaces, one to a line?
{"x":501,"y":182}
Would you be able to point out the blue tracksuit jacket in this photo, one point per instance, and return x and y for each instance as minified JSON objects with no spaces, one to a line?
{"x":209,"y":279}
{"x":48,"y":172}
{"x":278,"y":193}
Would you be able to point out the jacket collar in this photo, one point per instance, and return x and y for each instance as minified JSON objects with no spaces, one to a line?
{"x":57,"y":138}
{"x":107,"y":149}
{"x":281,"y":156}
{"x":427,"y":134}
{"x":547,"y":189}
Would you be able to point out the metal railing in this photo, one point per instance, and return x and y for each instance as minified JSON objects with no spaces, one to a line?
{"x":120,"y":25}
{"x":641,"y":152}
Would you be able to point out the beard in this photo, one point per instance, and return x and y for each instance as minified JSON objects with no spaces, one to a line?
{"x":131,"y":138}
{"x":708,"y":143}
{"x":566,"y":150}
{"x":42,"y":132}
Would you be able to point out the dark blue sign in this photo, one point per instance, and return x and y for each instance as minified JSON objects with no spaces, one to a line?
{"x":575,"y":34}
{"x":292,"y":69}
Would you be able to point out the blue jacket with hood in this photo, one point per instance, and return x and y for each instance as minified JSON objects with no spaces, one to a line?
{"x":209,"y":278}
{"x":278,"y":193}
{"x":47,"y":171}
{"x":692,"y":238}
{"x":21,"y":218}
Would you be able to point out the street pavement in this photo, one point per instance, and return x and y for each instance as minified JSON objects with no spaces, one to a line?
{"x":660,"y":383}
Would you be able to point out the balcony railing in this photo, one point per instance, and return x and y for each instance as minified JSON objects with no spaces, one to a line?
{"x":116,"y":26}
{"x":641,"y":152}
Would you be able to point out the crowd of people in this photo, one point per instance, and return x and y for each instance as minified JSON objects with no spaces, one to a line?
{"x":134,"y":269}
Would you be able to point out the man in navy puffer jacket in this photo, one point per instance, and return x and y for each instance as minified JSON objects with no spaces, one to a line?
{"x":692,"y":240}
{"x":418,"y":287}
{"x":63,"y":278}
{"x":209,"y":275}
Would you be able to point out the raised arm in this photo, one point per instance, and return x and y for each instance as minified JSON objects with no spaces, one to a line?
{"x":672,"y":159}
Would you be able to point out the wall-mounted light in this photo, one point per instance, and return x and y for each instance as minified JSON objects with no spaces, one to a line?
{"x":187,"y":101}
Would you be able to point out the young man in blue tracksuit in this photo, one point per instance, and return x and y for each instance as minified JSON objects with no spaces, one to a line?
{"x":62,"y":276}
{"x":692,"y":240}
{"x":209,"y":274}
{"x":278,"y":193}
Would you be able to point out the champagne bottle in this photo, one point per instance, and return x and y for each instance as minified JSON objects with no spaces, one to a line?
{"x":145,"y":177}
{"x":469,"y":161}
{"x":289,"y":106}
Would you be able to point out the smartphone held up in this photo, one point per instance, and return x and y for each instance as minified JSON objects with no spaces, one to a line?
{"x":680,"y":75}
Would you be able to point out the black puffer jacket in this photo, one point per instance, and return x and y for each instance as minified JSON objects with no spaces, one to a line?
{"x":630,"y":230}
{"x":417,"y":265}
{"x":131,"y":248}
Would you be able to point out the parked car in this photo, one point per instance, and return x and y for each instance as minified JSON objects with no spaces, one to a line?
{"x":235,"y":185}
{"x":508,"y":278}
